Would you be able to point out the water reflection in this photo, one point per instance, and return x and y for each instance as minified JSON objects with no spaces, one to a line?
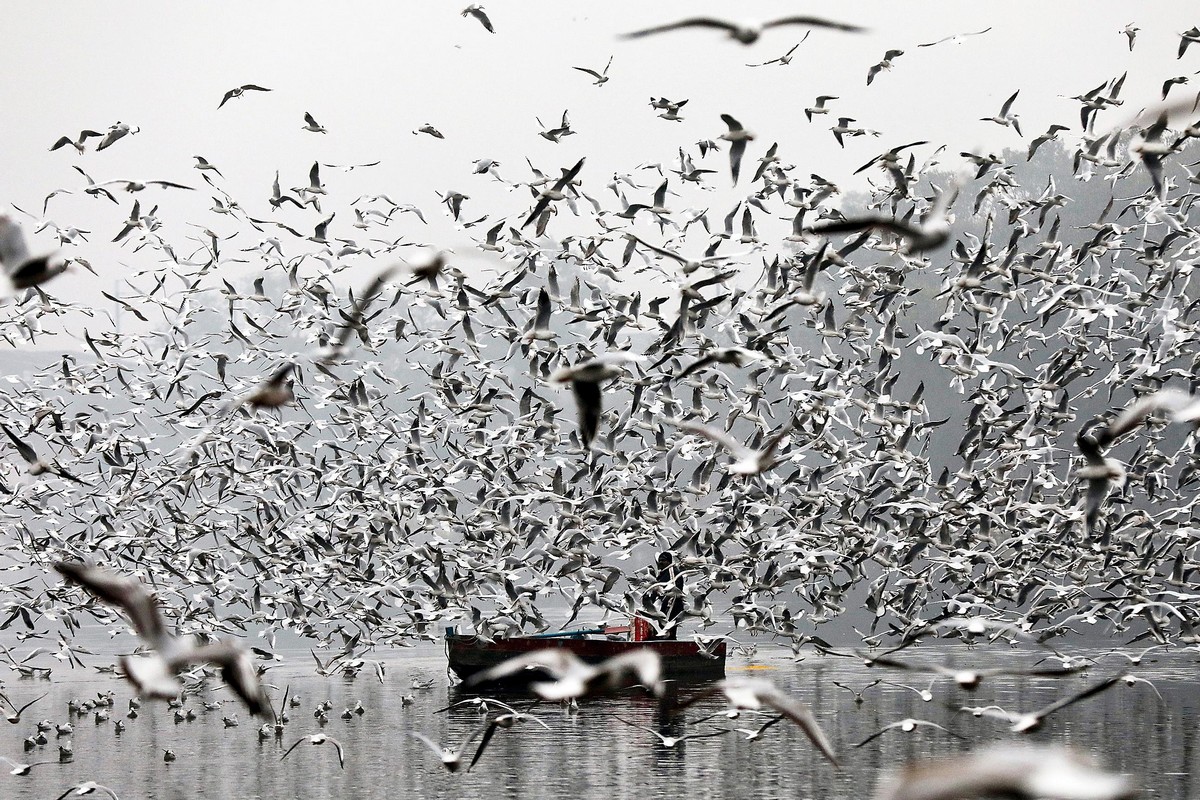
{"x":593,"y":754}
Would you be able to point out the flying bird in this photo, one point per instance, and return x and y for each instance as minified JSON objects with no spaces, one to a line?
{"x":318,"y":739}
{"x":477,"y":12}
{"x":155,"y":674}
{"x":601,"y":77}
{"x":241,"y":90}
{"x":585,"y":379}
{"x":21,"y":269}
{"x":746,"y":33}
{"x":747,"y":460}
{"x":737,"y":136}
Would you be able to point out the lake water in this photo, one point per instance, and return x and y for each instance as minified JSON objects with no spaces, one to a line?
{"x":592,"y":753}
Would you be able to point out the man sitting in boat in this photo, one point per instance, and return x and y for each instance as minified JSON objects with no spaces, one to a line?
{"x":666,"y":595}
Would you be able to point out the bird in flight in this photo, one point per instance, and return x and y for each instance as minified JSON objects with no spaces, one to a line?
{"x":238,"y":91}
{"x":477,"y":12}
{"x":746,"y":32}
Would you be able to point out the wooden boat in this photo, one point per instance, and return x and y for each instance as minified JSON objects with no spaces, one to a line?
{"x":681,"y":660}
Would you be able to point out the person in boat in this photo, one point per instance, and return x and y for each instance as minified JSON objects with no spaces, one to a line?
{"x":667,"y":596}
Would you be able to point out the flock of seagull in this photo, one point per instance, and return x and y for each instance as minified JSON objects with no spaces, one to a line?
{"x":969,"y":402}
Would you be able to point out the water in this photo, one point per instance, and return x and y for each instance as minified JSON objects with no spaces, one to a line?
{"x":593,"y":754}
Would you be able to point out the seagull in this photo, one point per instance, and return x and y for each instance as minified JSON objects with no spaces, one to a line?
{"x":932,"y":232}
{"x":737,"y":356}
{"x":575,"y":678}
{"x":556,"y":192}
{"x":21,"y":270}
{"x":754,"y":694}
{"x":36,"y":465}
{"x":819,"y":107}
{"x":956,"y":38}
{"x":858,"y":693}
{"x":585,"y":379}
{"x":672,"y":741}
{"x":320,"y":738}
{"x":155,"y":674}
{"x":87,"y":787}
{"x":737,"y":136}
{"x":241,"y":90}
{"x":274,"y":392}
{"x":23,"y":769}
{"x":1130,"y":31}
{"x":310,"y":124}
{"x":1186,"y":38}
{"x":968,"y":678}
{"x":786,"y":58}
{"x":1050,"y":134}
{"x":116,"y":132}
{"x":1101,"y":474}
{"x":477,"y":12}
{"x":747,"y":460}
{"x":1025,"y":773}
{"x":688,"y":266}
{"x":429,"y":129}
{"x":748,"y":32}
{"x":885,"y":63}
{"x":907,"y":725}
{"x":1006,"y":118}
{"x":78,"y":143}
{"x":15,"y":716}
{"x":601,"y":77}
{"x":1029,"y":722}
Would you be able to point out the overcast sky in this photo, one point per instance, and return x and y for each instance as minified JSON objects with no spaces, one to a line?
{"x":373,"y":72}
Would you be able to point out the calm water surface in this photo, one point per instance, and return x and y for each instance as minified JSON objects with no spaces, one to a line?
{"x":593,"y":754}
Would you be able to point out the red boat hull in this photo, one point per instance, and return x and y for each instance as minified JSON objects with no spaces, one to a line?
{"x":681,"y":661}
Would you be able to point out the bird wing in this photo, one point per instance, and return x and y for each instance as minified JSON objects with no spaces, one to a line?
{"x":1171,"y":400}
{"x":591,"y":72}
{"x":125,"y":593}
{"x":734,"y":447}
{"x":553,"y":660}
{"x":1084,"y":694}
{"x":1004,"y":109}
{"x":295,"y":744}
{"x":13,"y":250}
{"x":27,"y":453}
{"x":814,"y":22}
{"x":695,"y":22}
{"x":802,"y":715}
{"x":736,"y":149}
{"x":590,"y":406}
{"x":341,"y":754}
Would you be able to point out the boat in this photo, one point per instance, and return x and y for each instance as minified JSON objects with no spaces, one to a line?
{"x":686,"y":661}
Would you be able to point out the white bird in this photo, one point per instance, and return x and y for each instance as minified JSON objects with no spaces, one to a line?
{"x":318,"y":739}
{"x":747,"y":460}
{"x":754,"y":694}
{"x":311,"y":124}
{"x":585,"y":380}
{"x":88,"y":787}
{"x":116,"y":132}
{"x":155,"y":674}
{"x":575,"y":678}
{"x":1024,"y":773}
{"x":672,"y":741}
{"x":737,"y":136}
{"x":907,"y":725}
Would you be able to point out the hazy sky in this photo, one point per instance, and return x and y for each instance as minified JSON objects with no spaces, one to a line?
{"x":373,"y":72}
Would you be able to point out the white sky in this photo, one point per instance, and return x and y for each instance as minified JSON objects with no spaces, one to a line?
{"x":372,"y":72}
